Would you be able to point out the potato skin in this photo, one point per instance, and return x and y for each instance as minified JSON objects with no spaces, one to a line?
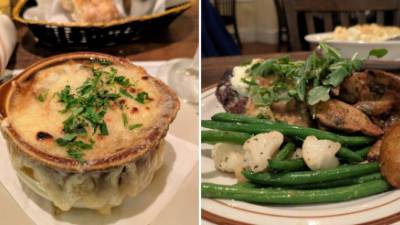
{"x":389,"y":158}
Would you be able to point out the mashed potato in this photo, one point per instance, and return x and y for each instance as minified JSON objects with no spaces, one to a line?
{"x":365,"y":33}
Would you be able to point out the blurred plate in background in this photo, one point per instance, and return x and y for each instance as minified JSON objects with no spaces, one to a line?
{"x":348,"y":48}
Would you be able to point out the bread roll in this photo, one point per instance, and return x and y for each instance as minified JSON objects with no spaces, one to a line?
{"x":91,"y":11}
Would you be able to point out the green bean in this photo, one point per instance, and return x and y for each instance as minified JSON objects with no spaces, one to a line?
{"x":287,"y":165}
{"x":349,"y":155}
{"x":285,"y":151}
{"x":246,"y":185}
{"x":230,"y":117}
{"x":308,"y":177}
{"x":288,"y":130}
{"x":363,"y":152}
{"x":341,"y":182}
{"x":212,"y":136}
{"x":285,"y":196}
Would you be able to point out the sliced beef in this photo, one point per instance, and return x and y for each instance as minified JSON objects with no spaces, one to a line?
{"x":230,"y":99}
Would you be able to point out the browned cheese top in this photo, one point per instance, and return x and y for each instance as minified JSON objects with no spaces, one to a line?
{"x":36,"y":117}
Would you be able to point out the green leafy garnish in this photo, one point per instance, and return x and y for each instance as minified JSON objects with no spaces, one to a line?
{"x":134,"y":126}
{"x":125,"y":119}
{"x":123,"y":81}
{"x":142,"y":97}
{"x":75,"y":147}
{"x":125,"y":93}
{"x":378,"y":53}
{"x":336,"y":77}
{"x":43,"y":95}
{"x":87,"y":105}
{"x":318,"y":94}
{"x":103,"y":62}
{"x":308,"y":81}
{"x":75,"y":154}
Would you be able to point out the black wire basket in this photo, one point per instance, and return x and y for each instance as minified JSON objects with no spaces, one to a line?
{"x":74,"y":34}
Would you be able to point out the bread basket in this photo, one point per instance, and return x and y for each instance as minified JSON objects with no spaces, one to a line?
{"x":73,"y":34}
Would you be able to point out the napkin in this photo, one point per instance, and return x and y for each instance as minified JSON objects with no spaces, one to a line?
{"x":52,"y":10}
{"x":8,"y":40}
{"x":180,"y":159}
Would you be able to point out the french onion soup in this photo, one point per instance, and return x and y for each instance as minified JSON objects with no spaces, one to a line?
{"x":85,"y":129}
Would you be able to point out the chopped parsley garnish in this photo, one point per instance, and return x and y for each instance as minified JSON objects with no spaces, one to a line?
{"x":75,"y":147}
{"x":134,"y":126}
{"x":123,"y":81}
{"x":103,"y":62}
{"x":87,"y":106}
{"x":76,"y":154}
{"x":125,"y":119}
{"x":43,"y":95}
{"x":125,"y":93}
{"x":142,"y":97}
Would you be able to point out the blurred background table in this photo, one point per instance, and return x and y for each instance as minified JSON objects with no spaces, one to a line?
{"x":180,"y":39}
{"x":213,"y":68}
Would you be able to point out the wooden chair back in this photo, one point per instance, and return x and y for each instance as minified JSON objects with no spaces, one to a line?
{"x":226,"y":7}
{"x":330,"y":13}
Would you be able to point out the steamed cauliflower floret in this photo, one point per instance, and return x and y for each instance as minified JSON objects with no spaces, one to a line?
{"x":228,"y":157}
{"x":260,"y":148}
{"x":320,"y":154}
{"x":298,"y":154}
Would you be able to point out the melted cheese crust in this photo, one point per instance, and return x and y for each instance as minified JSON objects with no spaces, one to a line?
{"x":98,"y":190}
{"x":28,"y":115}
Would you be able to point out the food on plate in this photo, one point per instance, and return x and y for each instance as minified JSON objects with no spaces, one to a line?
{"x":85,"y":130}
{"x":328,"y":118}
{"x":326,"y":90}
{"x":91,"y":11}
{"x":389,"y":156}
{"x":227,"y":156}
{"x":365,"y":33}
{"x":260,"y":148}
{"x":322,"y":170}
{"x":342,"y":116}
{"x":320,"y":154}
{"x":290,"y":196}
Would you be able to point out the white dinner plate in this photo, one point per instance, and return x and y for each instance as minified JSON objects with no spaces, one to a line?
{"x":377,"y":209}
{"x":348,"y":48}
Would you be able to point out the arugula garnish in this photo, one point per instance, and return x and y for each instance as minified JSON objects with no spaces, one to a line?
{"x":378,"y":53}
{"x":87,"y":106}
{"x":309,"y":81}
